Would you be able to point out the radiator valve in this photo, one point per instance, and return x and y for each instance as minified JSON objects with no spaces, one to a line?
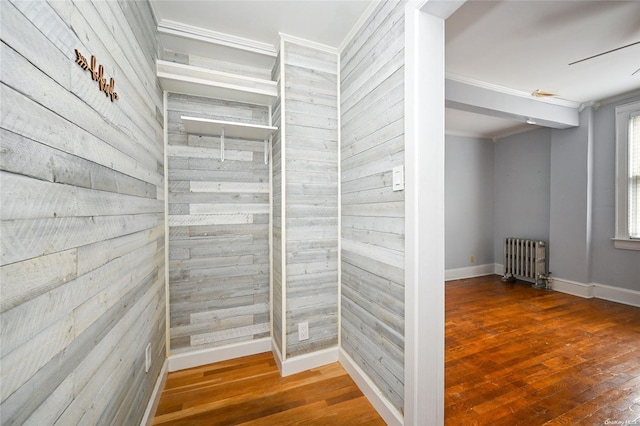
{"x":546,"y":281}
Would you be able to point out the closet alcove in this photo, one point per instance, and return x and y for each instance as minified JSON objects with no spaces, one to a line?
{"x":252,"y":207}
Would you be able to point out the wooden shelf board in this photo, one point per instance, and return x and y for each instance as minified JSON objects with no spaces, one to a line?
{"x":190,"y":80}
{"x":208,"y":127}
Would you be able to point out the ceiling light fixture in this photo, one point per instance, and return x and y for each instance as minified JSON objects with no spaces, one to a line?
{"x":542,"y":94}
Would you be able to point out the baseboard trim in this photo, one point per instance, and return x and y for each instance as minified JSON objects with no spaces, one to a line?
{"x":276,"y":355}
{"x":469,"y":272}
{"x":599,"y":291}
{"x":152,"y":405}
{"x":222,"y":353}
{"x":617,"y":294}
{"x":300,"y":363}
{"x":572,"y":287}
{"x":587,"y":291}
{"x":382,"y":405}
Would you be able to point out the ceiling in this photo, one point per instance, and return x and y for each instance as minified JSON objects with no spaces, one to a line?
{"x":514,"y":47}
{"x":522,"y":46}
{"x":323,"y":21}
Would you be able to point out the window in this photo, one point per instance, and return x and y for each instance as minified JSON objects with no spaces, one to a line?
{"x":628,"y":176}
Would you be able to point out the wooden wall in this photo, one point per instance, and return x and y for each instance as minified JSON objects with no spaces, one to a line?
{"x":82,"y":214}
{"x":305,"y":199}
{"x":276,"y":240}
{"x":218,"y":229}
{"x":310,"y":204}
{"x":372,"y":143}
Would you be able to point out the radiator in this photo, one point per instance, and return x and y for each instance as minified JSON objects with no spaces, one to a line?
{"x":525,"y":259}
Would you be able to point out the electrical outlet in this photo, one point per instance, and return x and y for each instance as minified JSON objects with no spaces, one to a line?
{"x":303,"y":331}
{"x":147,"y":358}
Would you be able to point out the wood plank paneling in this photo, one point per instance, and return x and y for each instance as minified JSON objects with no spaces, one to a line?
{"x":277,"y":252}
{"x":82,"y":217}
{"x":218,"y":229}
{"x":372,"y":132}
{"x":311,"y":196}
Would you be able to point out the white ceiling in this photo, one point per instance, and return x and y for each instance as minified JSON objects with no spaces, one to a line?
{"x":322,"y":21}
{"x":520,"y":46}
{"x":528,"y":45}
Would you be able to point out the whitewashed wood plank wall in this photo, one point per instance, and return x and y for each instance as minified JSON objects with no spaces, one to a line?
{"x":305,"y":197}
{"x":276,"y":217}
{"x":218,"y":228}
{"x":372,"y":143}
{"x":82,"y":214}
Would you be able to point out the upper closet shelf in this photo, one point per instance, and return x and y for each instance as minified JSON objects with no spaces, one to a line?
{"x":190,"y":80}
{"x":207,"y":127}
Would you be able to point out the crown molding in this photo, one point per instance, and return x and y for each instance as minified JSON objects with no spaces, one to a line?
{"x":368,"y":12}
{"x":173,"y":28}
{"x":510,"y":91}
{"x":493,"y":136}
{"x":621,"y":97}
{"x":307,"y":43}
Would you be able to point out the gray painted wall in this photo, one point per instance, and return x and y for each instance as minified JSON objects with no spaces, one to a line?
{"x":570,"y":208}
{"x":557,"y":185}
{"x":521,"y":188}
{"x":609,"y":266}
{"x":218,"y":228}
{"x":469,"y":201}
{"x":82,"y":214}
{"x":372,"y":108}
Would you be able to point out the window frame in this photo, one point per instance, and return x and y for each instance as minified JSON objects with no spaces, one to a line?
{"x":622,"y":239}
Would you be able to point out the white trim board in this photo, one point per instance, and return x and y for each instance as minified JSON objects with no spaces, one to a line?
{"x":589,"y":291}
{"x":469,"y":272}
{"x":598,"y":291}
{"x":222,"y":353}
{"x":154,"y":400}
{"x":308,"y":43}
{"x":362,"y":20}
{"x":304,"y":362}
{"x":388,"y":412}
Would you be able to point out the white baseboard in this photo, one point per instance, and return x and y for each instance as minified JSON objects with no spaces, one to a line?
{"x":277,"y":355}
{"x":211,"y":355}
{"x":572,"y":287}
{"x":588,"y":291}
{"x":152,"y":405}
{"x":617,"y":294}
{"x":300,"y":363}
{"x":469,"y":272}
{"x":387,"y":411}
{"x":599,"y":291}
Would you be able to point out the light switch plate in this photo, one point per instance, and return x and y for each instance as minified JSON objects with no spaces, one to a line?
{"x":398,"y":178}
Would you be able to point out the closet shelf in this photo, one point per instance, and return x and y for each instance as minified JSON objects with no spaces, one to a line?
{"x":196,"y":81}
{"x":207,"y":127}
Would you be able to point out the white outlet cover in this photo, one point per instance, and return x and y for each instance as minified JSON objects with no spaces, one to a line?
{"x":303,"y":331}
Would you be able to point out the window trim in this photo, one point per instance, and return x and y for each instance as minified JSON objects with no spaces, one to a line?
{"x":622,"y":240}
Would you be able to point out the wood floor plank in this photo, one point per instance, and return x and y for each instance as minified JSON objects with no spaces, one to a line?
{"x":250,"y":391}
{"x":514,"y":356}
{"x":518,"y":355}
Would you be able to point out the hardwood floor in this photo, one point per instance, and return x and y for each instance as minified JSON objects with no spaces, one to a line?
{"x":521,"y":356}
{"x":250,"y":391}
{"x":514,"y":356}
